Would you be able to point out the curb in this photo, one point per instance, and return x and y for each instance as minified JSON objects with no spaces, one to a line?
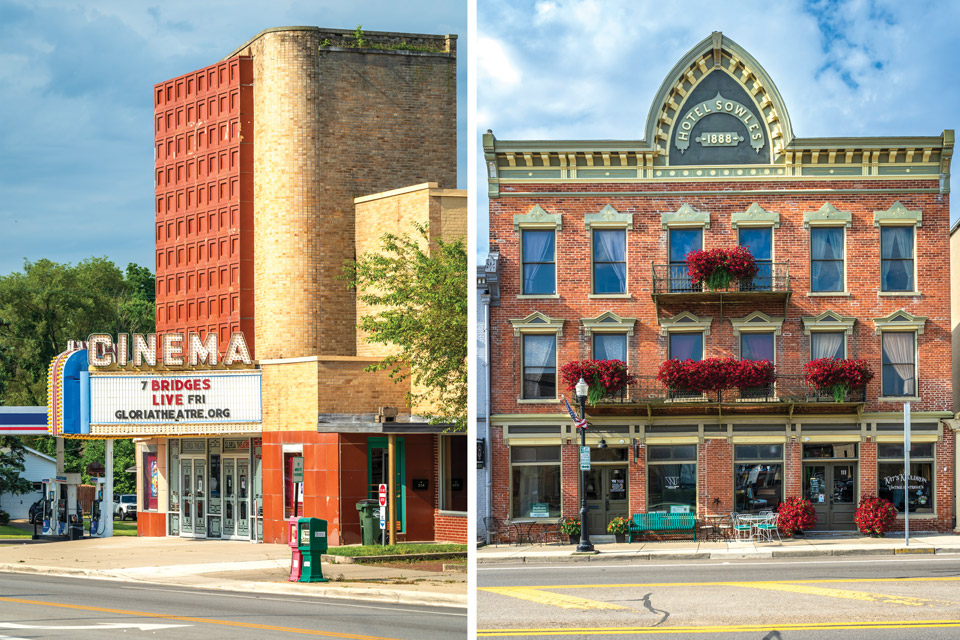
{"x":332,"y":559}
{"x":715,"y":555}
{"x":392,"y":596}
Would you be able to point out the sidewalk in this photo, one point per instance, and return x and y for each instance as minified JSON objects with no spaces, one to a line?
{"x":226,"y":565}
{"x":813,"y":545}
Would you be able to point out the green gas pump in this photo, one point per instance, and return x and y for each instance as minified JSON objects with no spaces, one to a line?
{"x":312,"y":543}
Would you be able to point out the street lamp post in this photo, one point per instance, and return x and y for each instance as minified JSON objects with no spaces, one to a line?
{"x":581,"y":389}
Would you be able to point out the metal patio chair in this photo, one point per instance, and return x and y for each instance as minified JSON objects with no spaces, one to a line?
{"x":496,"y":528}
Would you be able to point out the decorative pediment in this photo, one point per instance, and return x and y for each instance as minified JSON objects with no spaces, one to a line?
{"x":537,"y":322}
{"x":828,"y":321}
{"x":685,"y":321}
{"x":897,"y":214}
{"x":608,"y":217}
{"x":721,"y":85}
{"x":900,"y":321}
{"x":685,"y":216}
{"x":755,"y":215}
{"x":827,"y":215}
{"x":536,"y":218}
{"x":608,"y":322}
{"x":757,"y":321}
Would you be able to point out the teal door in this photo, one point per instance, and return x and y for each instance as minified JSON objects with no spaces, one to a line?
{"x":377,"y":472}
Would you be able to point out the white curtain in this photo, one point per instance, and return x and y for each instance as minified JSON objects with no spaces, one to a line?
{"x":539,"y":351}
{"x":899,"y":351}
{"x":898,"y":242}
{"x":826,"y":253}
{"x":897,"y":262}
{"x":826,"y":345}
{"x":610,"y":248}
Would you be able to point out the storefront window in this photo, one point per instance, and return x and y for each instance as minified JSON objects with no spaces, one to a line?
{"x":535,"y":482}
{"x":672,"y":479}
{"x":455,"y":476}
{"x":891,"y":485}
{"x":848,"y":450}
{"x":758,"y":477}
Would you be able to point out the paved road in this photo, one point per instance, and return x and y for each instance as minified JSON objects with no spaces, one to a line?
{"x":875,"y":597}
{"x":47,"y":607}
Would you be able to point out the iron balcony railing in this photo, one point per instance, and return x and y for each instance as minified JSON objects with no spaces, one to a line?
{"x":675,"y":278}
{"x":786,"y":389}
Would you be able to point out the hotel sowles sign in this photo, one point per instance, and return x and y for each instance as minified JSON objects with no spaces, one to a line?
{"x":145,"y":384}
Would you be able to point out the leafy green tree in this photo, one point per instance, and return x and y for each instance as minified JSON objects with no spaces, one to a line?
{"x":11,"y":466}
{"x":124,"y":457}
{"x":419,"y":292}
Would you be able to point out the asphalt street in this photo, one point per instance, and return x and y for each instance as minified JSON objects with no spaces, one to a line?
{"x":870,"y":597}
{"x":51,"y":607}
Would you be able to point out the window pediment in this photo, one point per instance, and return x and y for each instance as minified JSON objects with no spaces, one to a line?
{"x":898,"y":214}
{"x":828,"y":321}
{"x":536,"y":218}
{"x":827,"y":215}
{"x":757,"y":321}
{"x":608,"y":322}
{"x":900,"y":321}
{"x":755,"y":216}
{"x":685,"y":321}
{"x":608,"y":218}
{"x":537,"y":322}
{"x":685,"y":216}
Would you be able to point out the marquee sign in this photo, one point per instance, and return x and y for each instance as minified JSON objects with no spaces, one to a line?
{"x":174,"y":350}
{"x":209,"y":397}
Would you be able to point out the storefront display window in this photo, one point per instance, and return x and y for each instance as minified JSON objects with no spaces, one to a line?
{"x":535,"y":482}
{"x":891,"y":485}
{"x":672,"y":479}
{"x":758,"y":477}
{"x":847,"y":450}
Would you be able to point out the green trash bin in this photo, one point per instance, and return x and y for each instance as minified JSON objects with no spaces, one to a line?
{"x":369,"y":521}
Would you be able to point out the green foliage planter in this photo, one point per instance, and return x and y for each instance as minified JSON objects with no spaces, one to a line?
{"x":571,"y":527}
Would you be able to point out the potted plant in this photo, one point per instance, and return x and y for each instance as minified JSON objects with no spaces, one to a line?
{"x":717,"y":268}
{"x":796,"y":514}
{"x":749,"y":375}
{"x":874,"y":516}
{"x":837,"y":376}
{"x":618,"y":527}
{"x":571,"y":527}
{"x":605,"y":377}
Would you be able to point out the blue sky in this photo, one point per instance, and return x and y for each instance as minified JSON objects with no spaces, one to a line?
{"x":589,"y":69}
{"x":76,"y":80}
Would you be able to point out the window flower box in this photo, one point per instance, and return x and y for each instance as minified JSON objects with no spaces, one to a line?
{"x":837,"y":376}
{"x":605,"y":377}
{"x":716,"y":374}
{"x":717,"y":268}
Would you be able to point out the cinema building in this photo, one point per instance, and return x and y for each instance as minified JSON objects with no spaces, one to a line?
{"x":589,"y":243}
{"x":274,"y":167}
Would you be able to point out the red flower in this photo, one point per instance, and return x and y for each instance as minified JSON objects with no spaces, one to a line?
{"x":874,"y":515}
{"x":796,"y":514}
{"x":717,"y":267}
{"x":714,"y":374}
{"x":605,"y":377}
{"x":837,"y":376}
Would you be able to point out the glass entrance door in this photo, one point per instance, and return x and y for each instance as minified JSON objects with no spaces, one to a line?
{"x":194,"y":501}
{"x":236,"y":497}
{"x":229,"y":497}
{"x":606,"y":492}
{"x":832,"y":489}
{"x":243,"y":497}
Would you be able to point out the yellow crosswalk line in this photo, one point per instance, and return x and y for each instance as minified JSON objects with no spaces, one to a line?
{"x":551,"y":599}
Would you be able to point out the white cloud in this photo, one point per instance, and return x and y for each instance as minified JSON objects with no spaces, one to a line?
{"x":496,"y":71}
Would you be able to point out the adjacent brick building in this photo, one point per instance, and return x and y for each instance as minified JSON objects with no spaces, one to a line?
{"x":590,"y":241}
{"x":265,"y":162}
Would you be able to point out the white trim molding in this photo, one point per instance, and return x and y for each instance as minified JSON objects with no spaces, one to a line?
{"x":757,"y":322}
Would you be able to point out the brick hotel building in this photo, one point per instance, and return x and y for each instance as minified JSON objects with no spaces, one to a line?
{"x":275,"y":166}
{"x":588,"y":261}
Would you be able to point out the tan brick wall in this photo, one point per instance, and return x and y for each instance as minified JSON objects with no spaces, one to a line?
{"x":289,"y":394}
{"x":333,"y":124}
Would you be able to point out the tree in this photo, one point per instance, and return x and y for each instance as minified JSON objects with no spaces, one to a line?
{"x":11,"y":466}
{"x":418,"y":289}
{"x":124,"y":457}
{"x":50,"y":303}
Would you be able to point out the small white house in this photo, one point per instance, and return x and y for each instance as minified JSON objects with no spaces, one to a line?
{"x":37,"y":466}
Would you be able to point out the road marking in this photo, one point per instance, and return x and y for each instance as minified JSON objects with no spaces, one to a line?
{"x":687,"y":630}
{"x":633,"y":562}
{"x":848,"y":594}
{"x":727,"y":583}
{"x":164,"y":616}
{"x":552,"y":599}
{"x":143,"y":626}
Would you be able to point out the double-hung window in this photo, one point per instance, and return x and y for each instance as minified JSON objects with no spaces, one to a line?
{"x":686,"y":346}
{"x":899,"y":358}
{"x":757,"y":346}
{"x":610,"y":346}
{"x":828,"y":344}
{"x":539,"y":262}
{"x":826,"y":259}
{"x":759,"y":241}
{"x":539,"y":366}
{"x":682,"y":242}
{"x":896,"y":258}
{"x":609,"y":261}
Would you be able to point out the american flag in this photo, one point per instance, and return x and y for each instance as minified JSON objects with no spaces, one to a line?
{"x":577,"y":422}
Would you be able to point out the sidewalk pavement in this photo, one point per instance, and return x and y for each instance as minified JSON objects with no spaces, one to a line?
{"x":812,"y":545}
{"x":228,"y":566}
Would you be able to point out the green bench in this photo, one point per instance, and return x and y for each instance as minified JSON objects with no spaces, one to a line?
{"x":657,"y":522}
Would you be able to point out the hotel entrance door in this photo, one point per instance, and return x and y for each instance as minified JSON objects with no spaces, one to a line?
{"x":606,"y":491}
{"x":832,"y":489}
